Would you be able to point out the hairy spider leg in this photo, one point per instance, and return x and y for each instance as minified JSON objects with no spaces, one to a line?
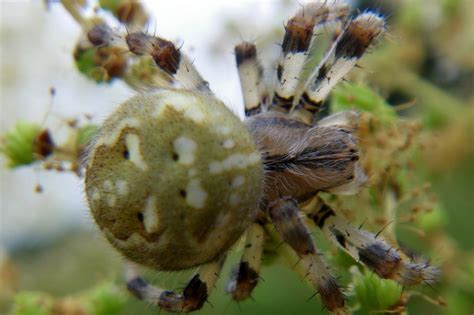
{"x":358,"y":35}
{"x":370,"y":249}
{"x":298,"y":38}
{"x":252,"y":83}
{"x":285,"y":215}
{"x":165,"y":55}
{"x":168,"y":58}
{"x":244,"y":276}
{"x":194,"y":295}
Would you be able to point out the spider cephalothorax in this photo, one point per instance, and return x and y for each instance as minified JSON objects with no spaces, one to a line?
{"x":173,"y":178}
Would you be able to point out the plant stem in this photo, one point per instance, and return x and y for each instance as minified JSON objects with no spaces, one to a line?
{"x":73,"y":9}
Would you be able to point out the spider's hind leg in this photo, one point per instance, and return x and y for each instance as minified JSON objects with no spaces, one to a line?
{"x":194,"y":295}
{"x":245,"y":275}
{"x":285,"y":216}
{"x":370,"y":249}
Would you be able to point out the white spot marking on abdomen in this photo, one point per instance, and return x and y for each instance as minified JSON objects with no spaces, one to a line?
{"x":132,"y":141}
{"x":185,"y":148}
{"x":195,"y":195}
{"x":150,"y":215}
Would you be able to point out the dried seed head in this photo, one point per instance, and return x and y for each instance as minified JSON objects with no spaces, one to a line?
{"x":100,"y":35}
{"x":130,"y":12}
{"x":44,"y":144}
{"x":101,"y":64}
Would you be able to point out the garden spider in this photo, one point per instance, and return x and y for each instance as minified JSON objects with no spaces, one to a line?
{"x":174,"y":179}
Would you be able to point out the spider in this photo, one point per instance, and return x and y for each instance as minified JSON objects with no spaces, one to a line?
{"x":174,"y":178}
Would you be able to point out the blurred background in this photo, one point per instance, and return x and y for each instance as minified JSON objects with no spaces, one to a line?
{"x":48,"y":243}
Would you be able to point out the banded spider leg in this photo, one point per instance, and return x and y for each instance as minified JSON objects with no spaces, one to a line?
{"x":169,"y":59}
{"x":194,"y":295}
{"x":356,"y":37}
{"x":299,"y":36}
{"x":370,"y":249}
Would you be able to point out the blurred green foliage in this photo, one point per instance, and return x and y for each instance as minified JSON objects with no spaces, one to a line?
{"x":348,"y":96}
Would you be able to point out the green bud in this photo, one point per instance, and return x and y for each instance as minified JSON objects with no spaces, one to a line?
{"x":106,"y":299}
{"x":19,"y":144}
{"x":432,"y":220}
{"x":86,"y":65}
{"x":373,"y":293}
{"x":31,"y":303}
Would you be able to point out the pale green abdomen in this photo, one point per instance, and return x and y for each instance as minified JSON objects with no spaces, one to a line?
{"x":173,"y":179}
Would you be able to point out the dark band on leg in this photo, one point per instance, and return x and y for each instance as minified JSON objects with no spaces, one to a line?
{"x":371,"y":250}
{"x":383,"y":260}
{"x":244,"y":277}
{"x":242,"y":281}
{"x":137,"y":287}
{"x":284,"y":215}
{"x":322,"y":215}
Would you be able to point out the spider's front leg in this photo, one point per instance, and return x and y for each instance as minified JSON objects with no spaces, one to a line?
{"x":252,"y":84}
{"x":245,"y":275}
{"x":284,"y":213}
{"x":296,"y":44}
{"x":194,"y":295}
{"x":173,"y":64}
{"x":168,"y":58}
{"x":358,"y":35}
{"x":370,"y":249}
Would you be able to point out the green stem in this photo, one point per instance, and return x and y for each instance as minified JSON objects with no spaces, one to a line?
{"x":73,"y":9}
{"x":390,"y":209}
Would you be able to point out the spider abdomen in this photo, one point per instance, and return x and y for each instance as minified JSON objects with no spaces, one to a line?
{"x":173,"y":179}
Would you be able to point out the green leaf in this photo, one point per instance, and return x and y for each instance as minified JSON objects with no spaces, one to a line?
{"x":361,"y":97}
{"x":31,"y":303}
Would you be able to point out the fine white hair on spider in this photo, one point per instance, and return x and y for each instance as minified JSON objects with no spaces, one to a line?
{"x":174,"y":178}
